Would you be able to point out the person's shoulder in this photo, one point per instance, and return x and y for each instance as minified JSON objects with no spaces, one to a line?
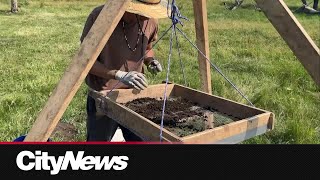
{"x":153,"y":21}
{"x":154,"y":24}
{"x":96,"y":11}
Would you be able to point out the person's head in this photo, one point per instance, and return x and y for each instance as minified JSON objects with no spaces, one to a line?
{"x":145,"y":9}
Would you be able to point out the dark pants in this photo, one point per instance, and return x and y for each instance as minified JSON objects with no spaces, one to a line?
{"x":102,"y":128}
{"x":315,"y":3}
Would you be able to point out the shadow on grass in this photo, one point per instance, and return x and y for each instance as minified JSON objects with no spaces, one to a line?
{"x":7,"y":12}
{"x":302,"y":10}
{"x":233,"y":6}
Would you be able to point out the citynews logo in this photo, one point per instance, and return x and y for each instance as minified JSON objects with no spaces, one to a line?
{"x":27,"y":160}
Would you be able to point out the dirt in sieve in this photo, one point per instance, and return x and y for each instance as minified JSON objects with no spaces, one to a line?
{"x":182,"y":117}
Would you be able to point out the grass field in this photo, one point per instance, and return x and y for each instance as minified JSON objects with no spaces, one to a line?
{"x":37,"y":44}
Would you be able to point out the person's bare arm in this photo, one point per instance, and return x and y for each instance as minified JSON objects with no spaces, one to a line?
{"x":150,"y":55}
{"x":100,"y":70}
{"x":154,"y":37}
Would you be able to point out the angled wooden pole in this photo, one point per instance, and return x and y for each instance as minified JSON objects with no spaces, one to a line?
{"x":80,"y":66}
{"x":294,"y":34}
{"x":201,"y":24}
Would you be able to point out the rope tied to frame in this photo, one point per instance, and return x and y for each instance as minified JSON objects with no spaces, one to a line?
{"x":175,"y":14}
{"x":175,"y":18}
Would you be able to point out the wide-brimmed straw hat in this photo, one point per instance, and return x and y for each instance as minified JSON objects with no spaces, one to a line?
{"x":156,"y":9}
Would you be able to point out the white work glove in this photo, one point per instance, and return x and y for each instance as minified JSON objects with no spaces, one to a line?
{"x":154,"y":67}
{"x":132,"y":79}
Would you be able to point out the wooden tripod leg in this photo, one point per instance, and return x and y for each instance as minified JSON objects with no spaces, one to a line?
{"x":81,"y":64}
{"x":294,"y":34}
{"x":201,"y":23}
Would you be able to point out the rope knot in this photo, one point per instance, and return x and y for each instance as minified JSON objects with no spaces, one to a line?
{"x":176,"y":15}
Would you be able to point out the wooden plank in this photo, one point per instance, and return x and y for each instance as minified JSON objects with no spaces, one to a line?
{"x":81,"y":63}
{"x":229,"y":130}
{"x":294,"y":34}
{"x":126,"y":95}
{"x":238,"y":138}
{"x":131,"y":120}
{"x":254,"y":118}
{"x":201,"y":24}
{"x":235,"y":109}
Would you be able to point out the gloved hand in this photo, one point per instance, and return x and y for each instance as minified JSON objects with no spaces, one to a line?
{"x":132,"y":79}
{"x":154,"y":67}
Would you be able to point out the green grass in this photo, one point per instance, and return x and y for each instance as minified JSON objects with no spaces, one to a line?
{"x":38,"y":43}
